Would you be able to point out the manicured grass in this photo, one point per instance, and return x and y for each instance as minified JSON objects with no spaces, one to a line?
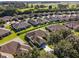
{"x":25,"y":9}
{"x":7,"y":27}
{"x":22,"y":37}
{"x":10,"y":37}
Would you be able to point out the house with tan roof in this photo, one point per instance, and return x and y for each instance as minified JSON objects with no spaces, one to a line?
{"x":37,"y":38}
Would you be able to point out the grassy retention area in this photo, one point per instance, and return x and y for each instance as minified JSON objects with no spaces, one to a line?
{"x":25,"y":9}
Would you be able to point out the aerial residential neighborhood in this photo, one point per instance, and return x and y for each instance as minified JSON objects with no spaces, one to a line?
{"x":44,"y":29}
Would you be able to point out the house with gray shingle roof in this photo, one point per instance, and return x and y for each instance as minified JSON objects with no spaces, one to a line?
{"x":4,"y":32}
{"x":20,"y":26}
{"x":6,"y":18}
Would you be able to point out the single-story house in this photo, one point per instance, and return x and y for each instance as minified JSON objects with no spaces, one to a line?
{"x":37,"y":38}
{"x":38,"y":21}
{"x":20,"y":26}
{"x":14,"y":48}
{"x":4,"y":32}
{"x":57,"y":18}
{"x":65,"y":17}
{"x":32,"y":22}
{"x":50,"y":18}
{"x":71,"y":24}
{"x":52,"y":28}
{"x":41,"y":21}
{"x":20,"y":17}
{"x":6,"y":18}
{"x":15,"y":19}
{"x":73,"y":17}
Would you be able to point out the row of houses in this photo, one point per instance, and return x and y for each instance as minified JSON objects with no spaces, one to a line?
{"x":38,"y":21}
{"x":21,"y":17}
{"x":43,"y":20}
{"x":49,"y":18}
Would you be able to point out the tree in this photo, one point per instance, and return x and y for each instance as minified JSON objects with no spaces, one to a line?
{"x":36,"y":6}
{"x":75,"y":41}
{"x":66,"y":33}
{"x":31,"y":6}
{"x":2,"y":22}
{"x":55,"y":37}
{"x":23,"y":54}
{"x":72,"y":6}
{"x":65,"y":49}
{"x":50,"y":7}
{"x":9,"y":11}
{"x":35,"y":53}
{"x":44,"y":54}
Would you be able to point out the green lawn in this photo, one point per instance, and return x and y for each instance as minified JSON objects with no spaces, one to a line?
{"x":25,"y":9}
{"x":10,"y":37}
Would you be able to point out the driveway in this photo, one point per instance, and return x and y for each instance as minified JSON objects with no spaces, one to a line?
{"x":48,"y":49}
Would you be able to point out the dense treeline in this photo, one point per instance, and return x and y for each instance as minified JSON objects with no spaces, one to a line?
{"x":12,"y":7}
